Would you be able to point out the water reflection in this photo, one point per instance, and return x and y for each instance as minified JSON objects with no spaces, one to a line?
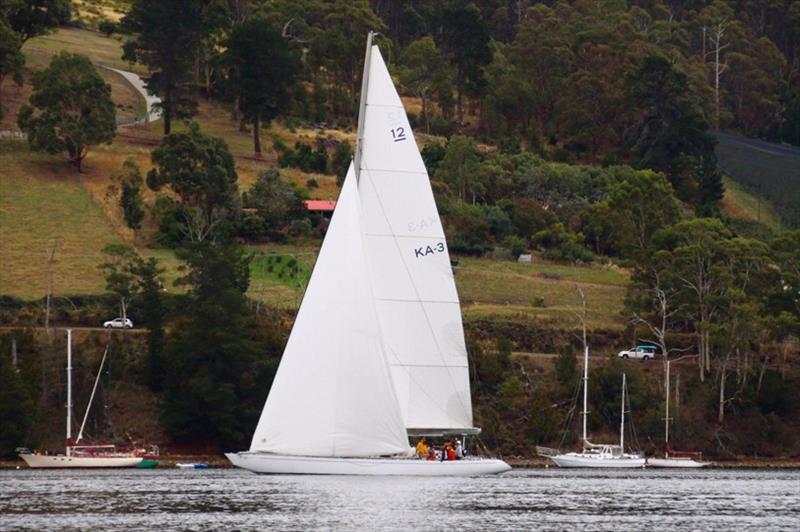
{"x":521,"y":500}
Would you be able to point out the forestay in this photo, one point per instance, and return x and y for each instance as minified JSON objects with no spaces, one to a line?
{"x":332,"y":395}
{"x":412,"y":279}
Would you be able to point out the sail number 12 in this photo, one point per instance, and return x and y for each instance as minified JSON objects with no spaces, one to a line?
{"x":398,"y":134}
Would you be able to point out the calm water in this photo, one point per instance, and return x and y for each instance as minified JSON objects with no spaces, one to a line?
{"x":549,"y":499}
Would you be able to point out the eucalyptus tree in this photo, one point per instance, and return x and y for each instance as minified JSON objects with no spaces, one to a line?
{"x":423,"y":70}
{"x":201,"y":171}
{"x":167,"y":35}
{"x":71,"y":108}
{"x":263,"y":69}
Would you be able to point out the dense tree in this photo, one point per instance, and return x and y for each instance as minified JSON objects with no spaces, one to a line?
{"x":262,"y":69}
{"x":591,"y":110}
{"x":643,"y":203}
{"x":752,"y":86}
{"x":130,"y":276}
{"x":149,"y":284}
{"x":424,"y":71}
{"x":167,"y":35}
{"x":73,"y":108}
{"x":566,"y":369}
{"x":130,"y":195}
{"x":459,"y":167}
{"x":201,"y":171}
{"x":11,"y":58}
{"x":16,"y":404}
{"x":786,"y":293}
{"x":277,"y":203}
{"x":30,"y":18}
{"x":671,"y":134}
{"x":119,"y":275}
{"x":464,"y":38}
{"x":336,"y":49}
{"x":216,"y":375}
{"x":340,"y":161}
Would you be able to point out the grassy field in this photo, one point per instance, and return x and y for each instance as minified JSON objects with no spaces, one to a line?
{"x":740,"y":204}
{"x":92,"y":12}
{"x":42,"y":202}
{"x":101,"y":50}
{"x":769,"y":170}
{"x":541,"y":291}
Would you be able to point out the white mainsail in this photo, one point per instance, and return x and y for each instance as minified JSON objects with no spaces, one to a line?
{"x":409,"y":264}
{"x":332,"y":395}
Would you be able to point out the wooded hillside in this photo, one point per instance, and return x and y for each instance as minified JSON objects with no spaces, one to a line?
{"x":583,"y":133}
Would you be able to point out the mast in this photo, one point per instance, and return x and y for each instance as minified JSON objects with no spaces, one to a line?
{"x":622,"y":422}
{"x":69,"y":389}
{"x":585,"y":412}
{"x":91,"y":397}
{"x":666,"y":415}
{"x":362,"y":106}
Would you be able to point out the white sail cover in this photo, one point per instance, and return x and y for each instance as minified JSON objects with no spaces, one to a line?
{"x":332,"y":395}
{"x":412,"y":279}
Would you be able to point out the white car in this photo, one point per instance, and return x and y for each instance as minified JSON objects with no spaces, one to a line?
{"x":118,"y":323}
{"x":643,"y":352}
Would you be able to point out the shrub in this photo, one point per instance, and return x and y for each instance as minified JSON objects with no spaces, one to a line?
{"x":107,"y":27}
{"x":305,"y":158}
{"x":570,"y":251}
{"x":515,"y":245}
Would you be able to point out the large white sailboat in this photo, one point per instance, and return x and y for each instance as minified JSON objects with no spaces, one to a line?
{"x":595,"y":455}
{"x":77,"y":455}
{"x":377,"y":351}
{"x":673,"y":458}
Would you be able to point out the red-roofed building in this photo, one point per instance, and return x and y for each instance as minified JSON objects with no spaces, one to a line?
{"x":320,"y":205}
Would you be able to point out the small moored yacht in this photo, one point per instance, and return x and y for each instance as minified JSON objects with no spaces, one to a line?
{"x":83,"y":456}
{"x":673,"y":458}
{"x":596,"y":455}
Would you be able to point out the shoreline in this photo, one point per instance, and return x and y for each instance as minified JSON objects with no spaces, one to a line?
{"x":220,"y":462}
{"x":743,"y":463}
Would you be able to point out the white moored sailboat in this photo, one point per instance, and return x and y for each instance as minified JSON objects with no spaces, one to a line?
{"x":597,"y":455}
{"x":82,"y":456}
{"x":377,"y":351}
{"x":673,"y":458}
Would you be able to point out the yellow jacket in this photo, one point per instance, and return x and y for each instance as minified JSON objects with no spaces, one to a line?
{"x":422,"y":449}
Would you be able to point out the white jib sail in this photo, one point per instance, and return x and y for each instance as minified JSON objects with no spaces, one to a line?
{"x":332,"y":394}
{"x":412,"y":279}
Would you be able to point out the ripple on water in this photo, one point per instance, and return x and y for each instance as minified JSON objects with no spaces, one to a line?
{"x":549,"y":499}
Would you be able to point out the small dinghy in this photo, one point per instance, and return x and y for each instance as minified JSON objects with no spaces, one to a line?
{"x":191,"y":465}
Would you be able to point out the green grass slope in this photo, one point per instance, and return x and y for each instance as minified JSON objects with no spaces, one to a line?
{"x":766,"y":169}
{"x":42,"y":203}
{"x":43,"y":200}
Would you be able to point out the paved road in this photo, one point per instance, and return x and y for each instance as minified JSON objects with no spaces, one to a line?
{"x":57,"y":328}
{"x":780,"y":150}
{"x":153,"y":113}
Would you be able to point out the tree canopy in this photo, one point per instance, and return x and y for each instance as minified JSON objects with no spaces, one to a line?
{"x":72,"y":108}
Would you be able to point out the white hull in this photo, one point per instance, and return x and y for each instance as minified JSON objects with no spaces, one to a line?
{"x":579,"y":460}
{"x":277,"y":464}
{"x":676,"y":462}
{"x":61,"y":461}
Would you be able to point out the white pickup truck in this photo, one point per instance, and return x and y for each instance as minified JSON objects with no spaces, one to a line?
{"x":643,"y":352}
